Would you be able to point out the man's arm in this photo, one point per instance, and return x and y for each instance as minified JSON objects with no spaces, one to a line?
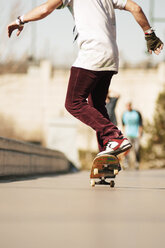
{"x":140,"y":118}
{"x":140,"y":131}
{"x":140,"y":124}
{"x":153,"y":42}
{"x":35,"y":14}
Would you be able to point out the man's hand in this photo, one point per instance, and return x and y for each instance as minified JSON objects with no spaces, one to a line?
{"x":35,"y":14}
{"x":154,"y":44}
{"x":13,"y":26}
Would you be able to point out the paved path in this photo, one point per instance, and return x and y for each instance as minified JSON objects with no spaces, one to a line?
{"x":64,"y":211}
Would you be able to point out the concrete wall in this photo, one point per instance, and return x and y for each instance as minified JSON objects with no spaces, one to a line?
{"x":22,"y":159}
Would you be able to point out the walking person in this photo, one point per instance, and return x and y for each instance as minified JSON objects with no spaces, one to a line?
{"x":133,"y":128}
{"x":97,"y":61}
{"x":111,"y":102}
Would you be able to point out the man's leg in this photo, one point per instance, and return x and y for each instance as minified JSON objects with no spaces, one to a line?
{"x":82,"y":82}
{"x":137,"y":152}
{"x":97,"y":99}
{"x":128,"y":157}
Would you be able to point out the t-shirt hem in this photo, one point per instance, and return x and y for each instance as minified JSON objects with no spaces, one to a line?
{"x":65,"y":3}
{"x":97,"y":69}
{"x":124,"y":4}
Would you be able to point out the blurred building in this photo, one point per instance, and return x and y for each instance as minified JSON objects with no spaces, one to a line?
{"x":33,"y":104}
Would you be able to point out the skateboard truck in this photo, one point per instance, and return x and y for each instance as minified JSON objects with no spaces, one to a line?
{"x":102,"y":182}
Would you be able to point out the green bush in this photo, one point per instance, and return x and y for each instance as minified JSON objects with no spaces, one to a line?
{"x":156,"y":144}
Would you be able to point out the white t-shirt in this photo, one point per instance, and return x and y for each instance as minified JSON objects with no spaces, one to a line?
{"x":96,"y":26}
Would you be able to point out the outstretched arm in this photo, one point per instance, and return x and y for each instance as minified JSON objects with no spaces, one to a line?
{"x":153,"y":42}
{"x":35,"y":14}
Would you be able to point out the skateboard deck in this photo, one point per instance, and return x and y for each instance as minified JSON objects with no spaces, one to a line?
{"x":104,"y":167}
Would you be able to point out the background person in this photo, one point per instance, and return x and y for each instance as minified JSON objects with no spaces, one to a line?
{"x":133,"y":128}
{"x":111,"y":102}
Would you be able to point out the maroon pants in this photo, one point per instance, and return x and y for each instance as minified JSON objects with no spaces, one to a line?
{"x":86,"y":95}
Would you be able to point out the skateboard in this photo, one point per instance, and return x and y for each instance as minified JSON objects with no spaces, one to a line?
{"x":104,"y":167}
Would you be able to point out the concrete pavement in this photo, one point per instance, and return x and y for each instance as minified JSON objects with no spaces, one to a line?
{"x":64,"y":211}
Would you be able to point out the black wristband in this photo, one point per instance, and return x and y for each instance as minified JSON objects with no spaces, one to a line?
{"x":19,"y":21}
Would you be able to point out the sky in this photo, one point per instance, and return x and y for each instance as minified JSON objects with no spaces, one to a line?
{"x":53,"y":35}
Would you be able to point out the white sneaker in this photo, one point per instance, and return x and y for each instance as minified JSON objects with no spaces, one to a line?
{"x":116,"y":146}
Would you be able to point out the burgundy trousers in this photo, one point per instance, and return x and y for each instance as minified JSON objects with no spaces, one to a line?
{"x":85,"y":100}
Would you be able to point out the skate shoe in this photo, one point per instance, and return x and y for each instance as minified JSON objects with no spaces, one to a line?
{"x":116,"y":146}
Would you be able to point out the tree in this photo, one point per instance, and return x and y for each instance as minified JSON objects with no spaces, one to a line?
{"x":155,"y":150}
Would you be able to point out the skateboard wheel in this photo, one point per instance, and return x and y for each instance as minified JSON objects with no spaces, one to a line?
{"x":95,"y":171}
{"x":112,"y":184}
{"x":115,"y":172}
{"x":93,"y":183}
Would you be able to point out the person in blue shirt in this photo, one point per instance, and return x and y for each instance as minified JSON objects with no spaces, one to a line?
{"x":133,"y":128}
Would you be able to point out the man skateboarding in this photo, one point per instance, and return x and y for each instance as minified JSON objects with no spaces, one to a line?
{"x":97,"y":61}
